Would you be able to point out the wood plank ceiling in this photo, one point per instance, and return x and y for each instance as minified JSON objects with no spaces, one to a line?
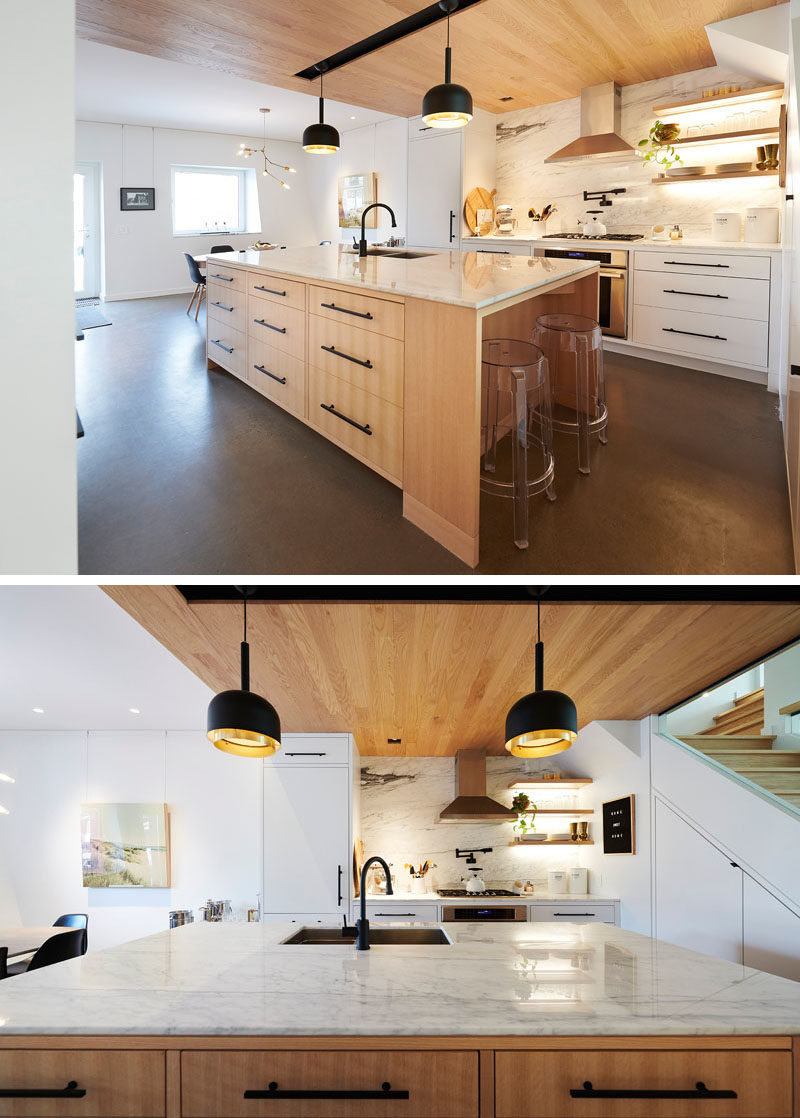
{"x":441,"y":675}
{"x":531,"y":50}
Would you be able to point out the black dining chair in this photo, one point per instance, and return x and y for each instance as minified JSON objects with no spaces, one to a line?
{"x":199,"y":281}
{"x":65,"y":945}
{"x":3,"y":962}
{"x":75,"y":920}
{"x":222,"y":248}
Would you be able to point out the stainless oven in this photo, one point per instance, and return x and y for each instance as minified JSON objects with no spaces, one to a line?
{"x":485,"y":912}
{"x":613,"y":310}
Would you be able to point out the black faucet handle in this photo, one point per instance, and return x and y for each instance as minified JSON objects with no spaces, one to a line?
{"x":347,"y":931}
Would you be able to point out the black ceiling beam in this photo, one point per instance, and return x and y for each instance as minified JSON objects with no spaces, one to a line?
{"x":632,"y":595}
{"x":416,"y":22}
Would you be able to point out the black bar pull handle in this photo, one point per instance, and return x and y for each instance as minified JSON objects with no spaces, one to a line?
{"x":216,"y":341}
{"x":305,"y":754}
{"x":344,"y":310}
{"x":273,"y":1091}
{"x":697,"y":294}
{"x":365,"y":427}
{"x":692,"y":264}
{"x":269,"y":326}
{"x":340,"y":885}
{"x":452,"y":219}
{"x":260,"y":287}
{"x":71,"y":1091}
{"x":337,"y":353}
{"x":221,"y":306}
{"x":693,"y":334}
{"x":574,"y":914}
{"x":394,"y":914}
{"x":267,"y":373}
{"x":700,"y":1092}
{"x":226,"y":279}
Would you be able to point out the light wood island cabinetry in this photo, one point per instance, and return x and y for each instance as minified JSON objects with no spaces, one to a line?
{"x":382,"y":356}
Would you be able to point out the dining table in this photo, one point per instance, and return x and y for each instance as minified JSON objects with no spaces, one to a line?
{"x":26,"y":939}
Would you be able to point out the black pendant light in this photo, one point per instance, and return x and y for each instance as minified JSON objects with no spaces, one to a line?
{"x":544,"y":722}
{"x":447,"y":105}
{"x":321,"y":138}
{"x":242,"y":722}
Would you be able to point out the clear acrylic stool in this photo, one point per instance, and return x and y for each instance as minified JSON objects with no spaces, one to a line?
{"x":516,"y":401}
{"x":573,"y":345}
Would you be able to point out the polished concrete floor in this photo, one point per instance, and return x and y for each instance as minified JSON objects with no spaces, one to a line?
{"x":186,"y":471}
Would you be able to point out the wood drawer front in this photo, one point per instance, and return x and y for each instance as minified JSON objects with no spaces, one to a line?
{"x":232,"y":279}
{"x":702,"y":335}
{"x":117,"y":1084}
{"x":720,"y":295}
{"x":227,"y":347}
{"x":529,"y":1084}
{"x":227,"y":307}
{"x":278,"y":326}
{"x":277,"y":289}
{"x":379,"y":912}
{"x":572,"y":913}
{"x":277,"y":375}
{"x":703,"y":264}
{"x":440,"y":1084}
{"x":383,"y":446}
{"x":338,"y":348}
{"x":348,"y":306}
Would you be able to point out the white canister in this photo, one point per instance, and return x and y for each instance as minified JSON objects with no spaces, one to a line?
{"x":761,"y":225}
{"x":726,"y":225}
{"x":578,"y":880}
{"x":557,"y":881}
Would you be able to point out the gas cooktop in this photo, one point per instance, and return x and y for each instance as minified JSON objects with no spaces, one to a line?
{"x":485,"y":893}
{"x":588,"y":237}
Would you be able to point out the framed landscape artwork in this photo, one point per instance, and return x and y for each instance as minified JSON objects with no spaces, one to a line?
{"x":137,"y":197}
{"x":356,"y":192}
{"x":125,"y":846}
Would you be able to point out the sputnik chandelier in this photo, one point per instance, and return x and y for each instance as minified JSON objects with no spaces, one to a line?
{"x":247,"y":152}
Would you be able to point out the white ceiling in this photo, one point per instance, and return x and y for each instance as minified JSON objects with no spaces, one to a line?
{"x":122,"y":87}
{"x":85,"y":661}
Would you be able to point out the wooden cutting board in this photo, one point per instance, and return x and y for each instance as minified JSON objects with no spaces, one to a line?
{"x":478,"y":198}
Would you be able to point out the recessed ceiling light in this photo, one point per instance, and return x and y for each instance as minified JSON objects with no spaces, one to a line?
{"x":352,"y":118}
{"x":4,"y":810}
{"x":393,"y":741}
{"x":134,"y":710}
{"x":38,"y":710}
{"x":7,"y":779}
{"x":506,"y":98}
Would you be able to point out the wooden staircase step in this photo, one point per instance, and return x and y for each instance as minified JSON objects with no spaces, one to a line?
{"x":792,"y":798}
{"x":775,"y":780}
{"x":756,"y":696}
{"x":737,"y":724}
{"x":741,"y":759}
{"x":728,"y":741}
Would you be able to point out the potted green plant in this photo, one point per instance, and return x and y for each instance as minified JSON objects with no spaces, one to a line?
{"x":526,"y":813}
{"x":657,"y":147}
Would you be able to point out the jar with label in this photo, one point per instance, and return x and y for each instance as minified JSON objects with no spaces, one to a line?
{"x":676,"y":233}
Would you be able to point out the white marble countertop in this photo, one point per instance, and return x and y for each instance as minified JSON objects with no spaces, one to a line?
{"x":523,"y":898}
{"x":539,"y":979}
{"x":687,"y":244}
{"x":463,"y":279}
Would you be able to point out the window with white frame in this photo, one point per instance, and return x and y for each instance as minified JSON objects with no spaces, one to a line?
{"x":209,"y":200}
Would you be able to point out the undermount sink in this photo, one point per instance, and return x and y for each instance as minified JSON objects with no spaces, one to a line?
{"x":402,"y":255}
{"x":377,"y":937}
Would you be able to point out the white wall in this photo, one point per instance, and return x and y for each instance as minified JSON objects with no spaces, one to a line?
{"x":527,"y":136}
{"x":148,"y":259}
{"x":38,"y":481}
{"x":215,"y":815}
{"x":699,"y":713}
{"x":781,"y":688}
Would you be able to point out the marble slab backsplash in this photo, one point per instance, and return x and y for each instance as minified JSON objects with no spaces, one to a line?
{"x":401,"y":798}
{"x":526,"y":137}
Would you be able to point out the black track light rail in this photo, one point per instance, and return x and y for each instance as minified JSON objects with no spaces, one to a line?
{"x":569,"y":593}
{"x":392,"y":34}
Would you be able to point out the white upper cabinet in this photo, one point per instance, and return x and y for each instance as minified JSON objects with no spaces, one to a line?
{"x":312,"y":749}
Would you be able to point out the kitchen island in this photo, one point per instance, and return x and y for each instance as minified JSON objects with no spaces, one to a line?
{"x":507,"y":1021}
{"x":382,"y":355}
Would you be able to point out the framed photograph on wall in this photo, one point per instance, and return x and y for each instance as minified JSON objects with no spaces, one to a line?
{"x":125,"y":846}
{"x":355,"y":193}
{"x":619,"y":826}
{"x":137,"y":197}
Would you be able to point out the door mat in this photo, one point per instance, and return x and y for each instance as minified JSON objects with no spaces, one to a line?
{"x":87,"y":302}
{"x":87,"y":318}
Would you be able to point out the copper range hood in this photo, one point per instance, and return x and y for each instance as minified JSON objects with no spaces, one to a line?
{"x":471,"y":803}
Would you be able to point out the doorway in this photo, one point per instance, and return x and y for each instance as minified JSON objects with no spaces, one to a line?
{"x":86,"y":224}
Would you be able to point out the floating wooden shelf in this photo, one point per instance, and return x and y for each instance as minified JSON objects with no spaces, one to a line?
{"x":564,"y":785}
{"x":792,"y":708}
{"x":742,"y":97}
{"x":725,"y":137}
{"x":555,"y":842}
{"x":723,"y":175}
{"x":557,"y":811}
